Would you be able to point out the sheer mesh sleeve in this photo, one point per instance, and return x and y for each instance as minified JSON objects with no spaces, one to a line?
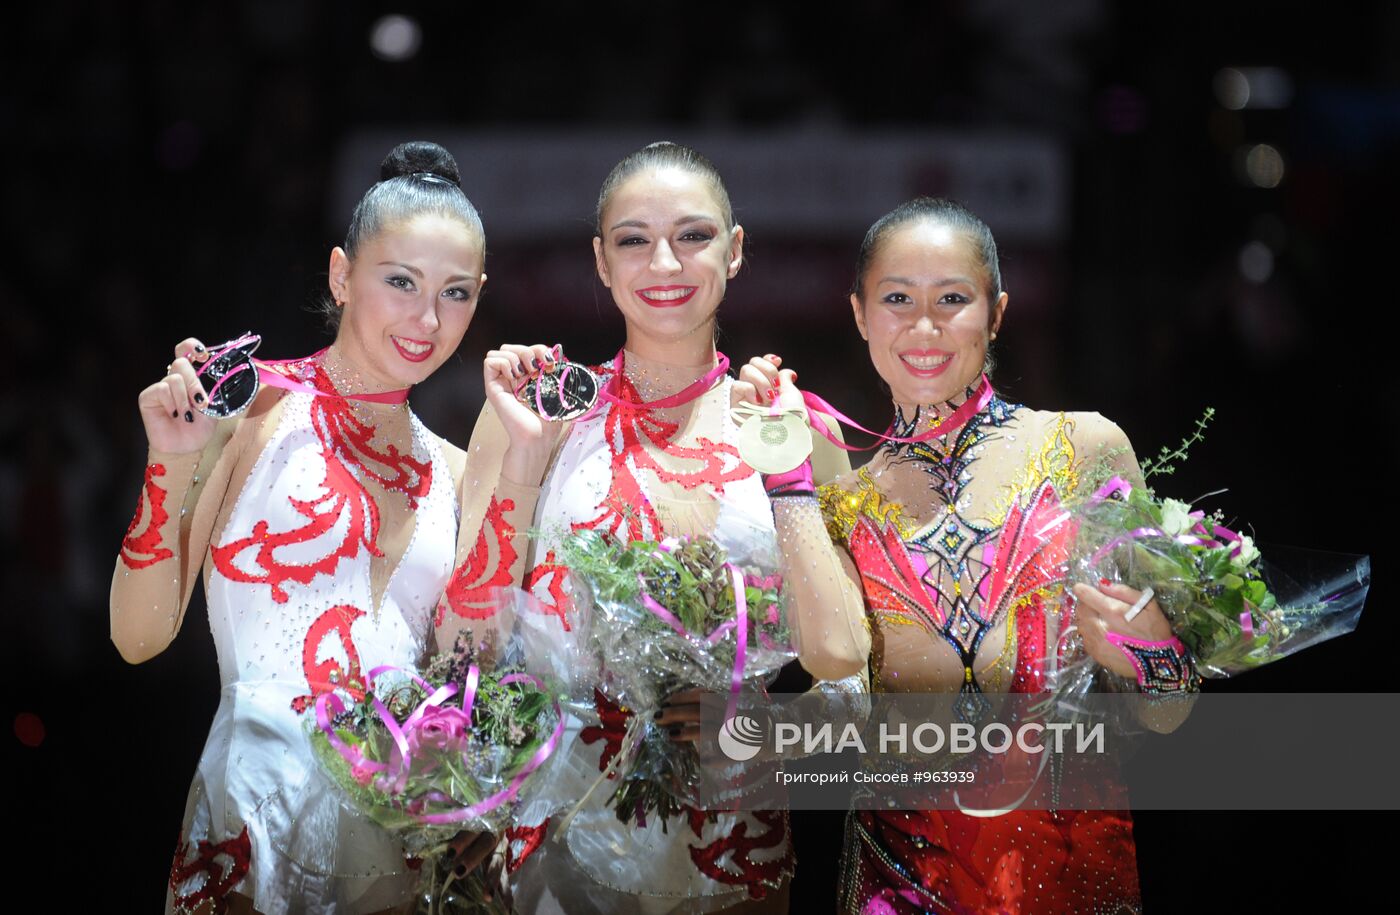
{"x":165,"y":544}
{"x":826,"y":610}
{"x":492,"y":532}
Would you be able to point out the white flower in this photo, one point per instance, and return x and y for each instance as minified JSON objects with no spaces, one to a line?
{"x":1176,"y":517}
{"x":1247,"y":554}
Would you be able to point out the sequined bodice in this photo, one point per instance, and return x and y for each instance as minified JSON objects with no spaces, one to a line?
{"x":966,"y":599}
{"x":289,"y":584}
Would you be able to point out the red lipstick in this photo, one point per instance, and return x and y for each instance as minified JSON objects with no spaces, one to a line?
{"x":666,"y":296}
{"x":412,"y":356}
{"x":924,"y":365}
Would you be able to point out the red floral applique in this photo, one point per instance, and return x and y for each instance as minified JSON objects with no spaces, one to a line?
{"x":887,"y":575}
{"x":345,"y":441}
{"x":144,"y":549}
{"x":697,"y":819}
{"x":614,"y":724}
{"x":223,"y":866}
{"x":742,"y":869}
{"x":330,"y":675}
{"x":471,"y":591}
{"x":634,"y":436}
{"x":553,"y":572}
{"x":1032,"y":553}
{"x":529,"y":839}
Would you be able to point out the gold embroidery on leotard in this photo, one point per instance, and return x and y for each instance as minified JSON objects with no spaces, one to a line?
{"x":842,"y":507}
{"x":1054,"y":461}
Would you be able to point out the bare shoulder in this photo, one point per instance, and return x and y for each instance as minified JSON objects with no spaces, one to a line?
{"x":845,"y":481}
{"x":1095,"y":432}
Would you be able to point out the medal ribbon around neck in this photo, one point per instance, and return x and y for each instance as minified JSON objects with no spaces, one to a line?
{"x":817,"y":407}
{"x":273,"y":378}
{"x":685,"y":395}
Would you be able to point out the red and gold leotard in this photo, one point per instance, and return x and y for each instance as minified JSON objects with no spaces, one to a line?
{"x":964,"y":591}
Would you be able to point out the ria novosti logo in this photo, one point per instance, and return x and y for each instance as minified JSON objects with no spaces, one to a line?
{"x":741,"y":737}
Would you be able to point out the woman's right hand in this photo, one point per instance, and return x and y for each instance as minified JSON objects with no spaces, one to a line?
{"x":532,"y":437}
{"x":169,"y":408}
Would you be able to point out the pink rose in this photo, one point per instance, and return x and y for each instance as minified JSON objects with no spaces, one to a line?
{"x":440,"y":729}
{"x":363,"y":772}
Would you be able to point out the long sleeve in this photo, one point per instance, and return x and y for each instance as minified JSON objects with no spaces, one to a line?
{"x":163,"y":550}
{"x":826,"y":610}
{"x":492,"y":534}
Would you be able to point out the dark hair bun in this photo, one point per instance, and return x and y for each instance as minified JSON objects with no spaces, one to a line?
{"x":420,"y":156}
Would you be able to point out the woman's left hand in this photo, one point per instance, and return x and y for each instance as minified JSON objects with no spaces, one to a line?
{"x":764,"y":381}
{"x":1104,"y":609}
{"x":680,"y":716}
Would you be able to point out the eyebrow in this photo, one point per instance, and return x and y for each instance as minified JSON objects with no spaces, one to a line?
{"x":458,"y":278}
{"x":949,"y":281}
{"x":641,"y":223}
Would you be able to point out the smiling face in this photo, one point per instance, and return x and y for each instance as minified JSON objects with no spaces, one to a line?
{"x":666,"y":253}
{"x":407,"y":298}
{"x":924,"y":311}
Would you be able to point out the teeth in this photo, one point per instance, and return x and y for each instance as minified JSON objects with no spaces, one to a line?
{"x":926,"y":362}
{"x":416,"y":349}
{"x":667,"y":295}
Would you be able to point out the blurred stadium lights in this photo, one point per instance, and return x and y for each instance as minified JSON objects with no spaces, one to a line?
{"x":395,"y":38}
{"x":1263,"y":166}
{"x":533,"y":184}
{"x":1258,"y":88}
{"x":1256,"y":262}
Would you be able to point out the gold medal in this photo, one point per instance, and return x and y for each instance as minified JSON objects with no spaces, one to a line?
{"x":772,"y":444}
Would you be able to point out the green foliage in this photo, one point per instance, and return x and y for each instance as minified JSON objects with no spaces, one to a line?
{"x":1167,"y":459}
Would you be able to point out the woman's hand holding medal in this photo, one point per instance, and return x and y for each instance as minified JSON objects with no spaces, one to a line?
{"x":170,"y":408}
{"x":507,"y":373}
{"x":774,"y":436}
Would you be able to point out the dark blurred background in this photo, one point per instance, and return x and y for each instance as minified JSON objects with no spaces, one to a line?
{"x":1195,"y":207}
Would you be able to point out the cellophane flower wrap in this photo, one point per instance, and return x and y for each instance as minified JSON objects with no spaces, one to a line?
{"x":667,"y":616}
{"x":467,"y":743}
{"x":1233,"y":608}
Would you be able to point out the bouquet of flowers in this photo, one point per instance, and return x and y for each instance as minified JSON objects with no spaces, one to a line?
{"x":1233,"y":610}
{"x":1211,"y":582}
{"x":668,"y":616}
{"x":456,"y":747}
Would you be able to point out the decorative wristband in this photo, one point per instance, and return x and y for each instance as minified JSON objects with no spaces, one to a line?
{"x":795,"y":482}
{"x":1162,"y":667}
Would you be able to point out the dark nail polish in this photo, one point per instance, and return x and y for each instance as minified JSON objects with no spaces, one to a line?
{"x":674,"y":731}
{"x":174,"y":414}
{"x":461,"y":870}
{"x":657,"y":715}
{"x":189,"y":417}
{"x":198,"y":397}
{"x":199,"y":347}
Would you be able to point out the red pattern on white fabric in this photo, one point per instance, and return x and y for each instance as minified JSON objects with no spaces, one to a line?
{"x":635,"y":437}
{"x":330,"y":675}
{"x":345,"y":442}
{"x":551,"y":570}
{"x":522,"y":842}
{"x":223,"y":865}
{"x":471,"y":591}
{"x":742,"y":870}
{"x":145,"y":549}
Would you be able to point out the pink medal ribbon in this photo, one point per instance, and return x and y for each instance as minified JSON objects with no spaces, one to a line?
{"x":739,"y":623}
{"x":817,"y":407}
{"x":392,"y":777}
{"x":273,"y":378}
{"x":685,"y":395}
{"x":1200,"y":536}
